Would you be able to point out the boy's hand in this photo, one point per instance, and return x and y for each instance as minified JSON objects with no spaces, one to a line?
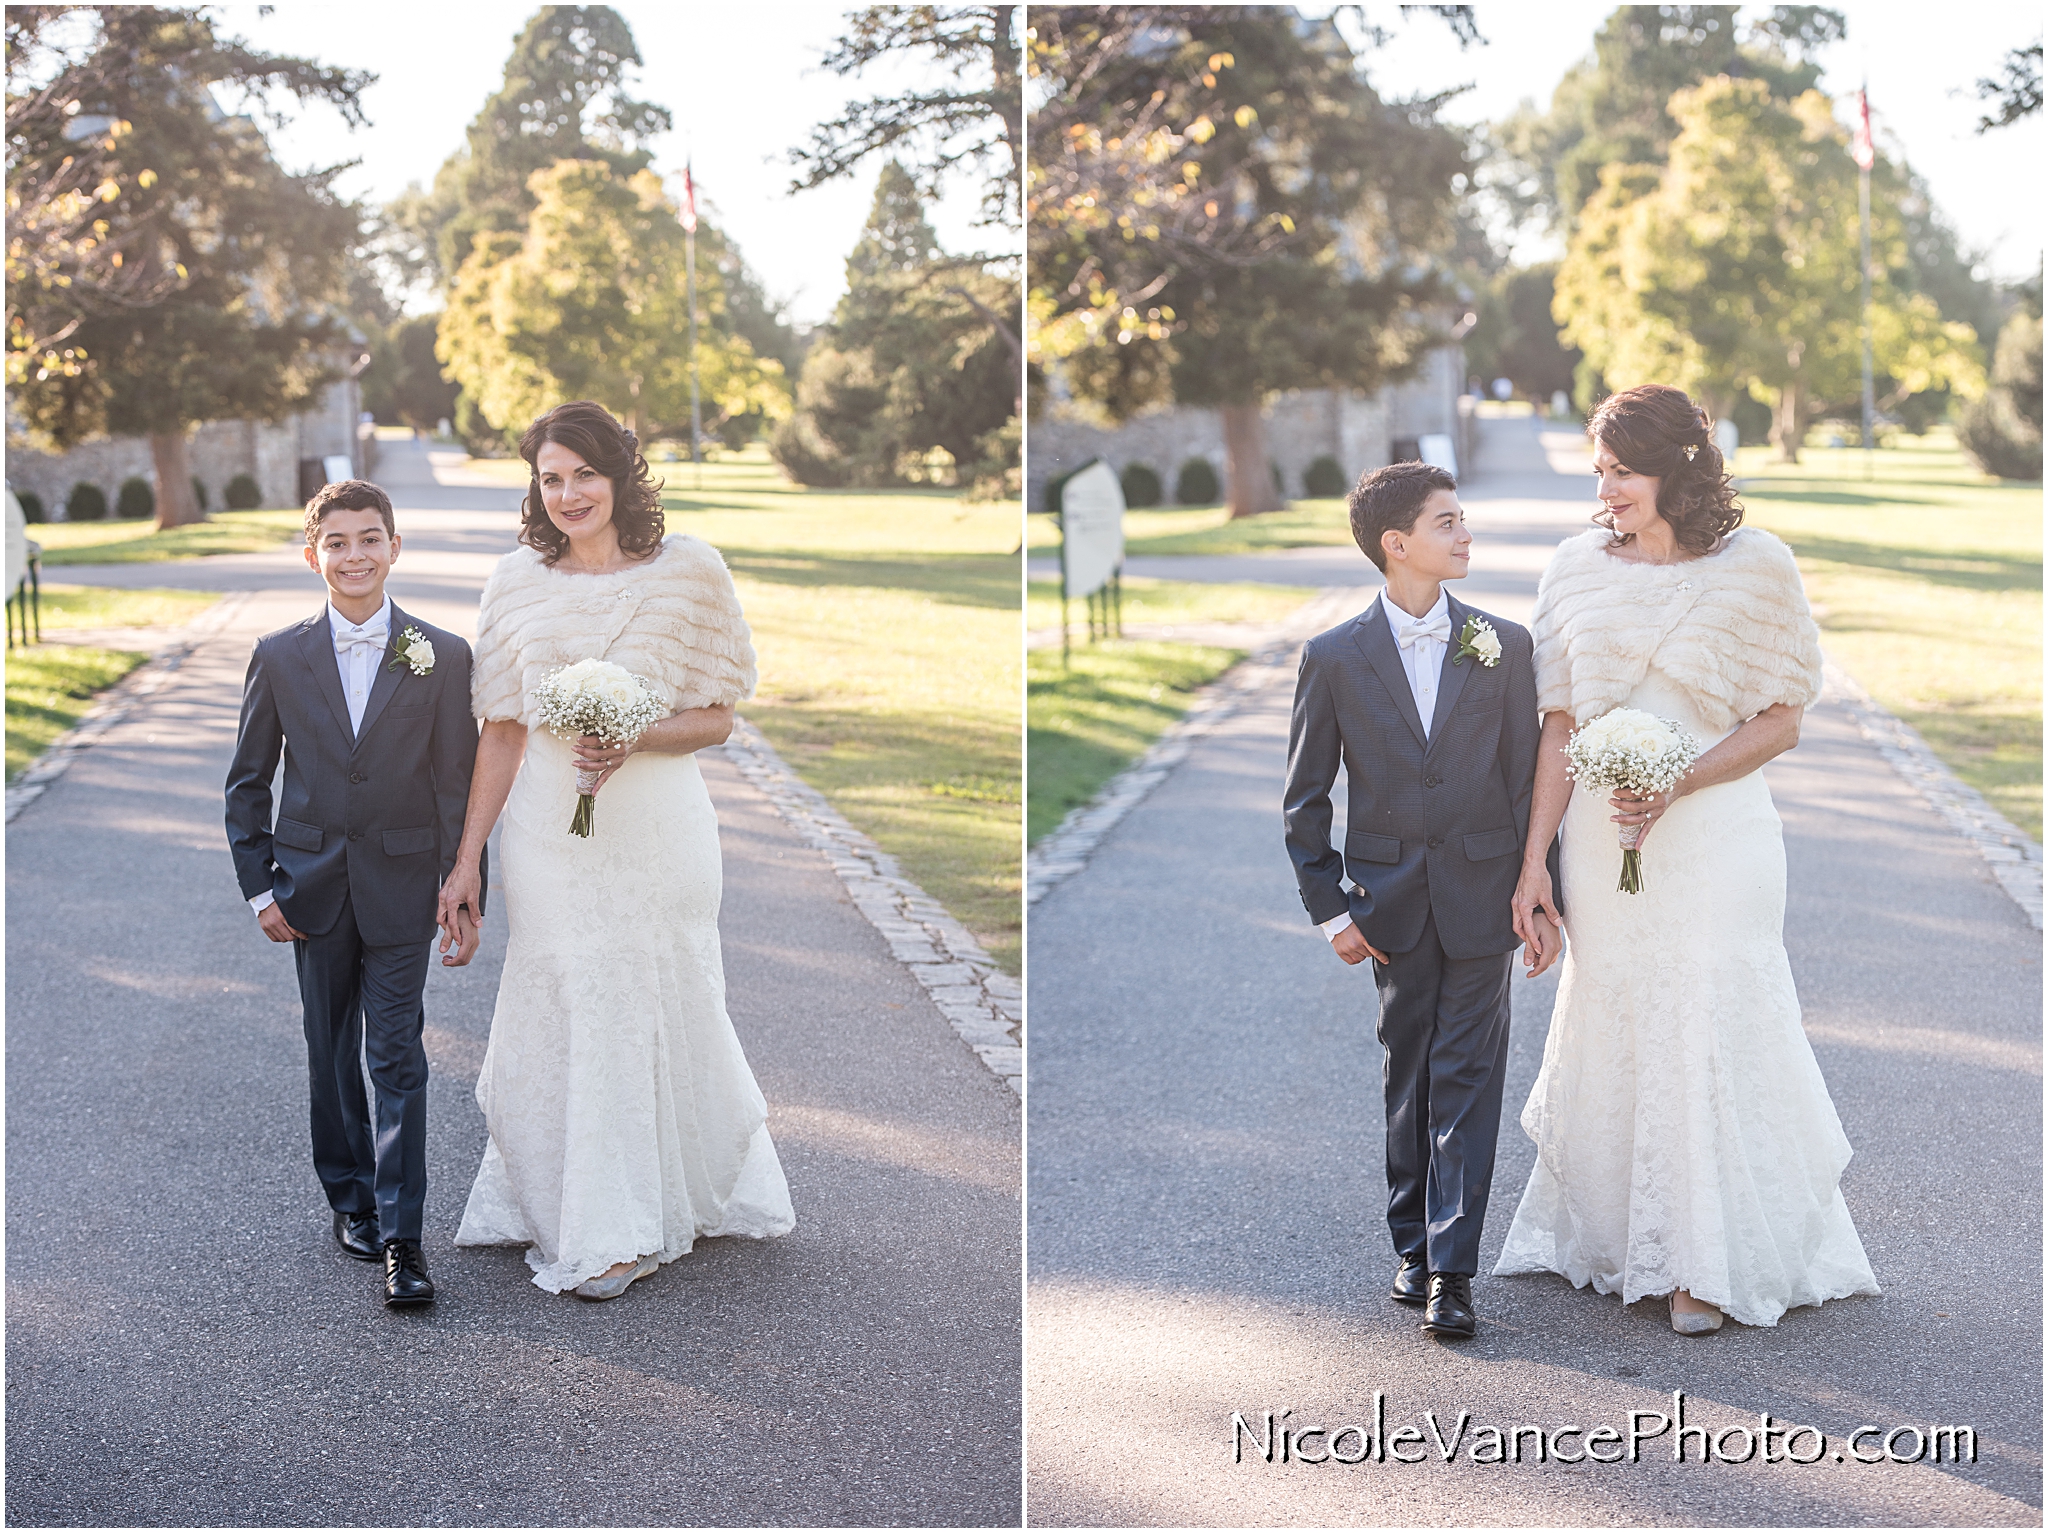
{"x":467,"y":936}
{"x":276,"y":927}
{"x":1352,"y":947}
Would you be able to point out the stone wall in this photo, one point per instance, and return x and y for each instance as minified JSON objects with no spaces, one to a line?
{"x":218,"y":450}
{"x":1358,"y":430}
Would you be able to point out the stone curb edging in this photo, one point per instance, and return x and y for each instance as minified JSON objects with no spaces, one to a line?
{"x":1065,"y":850}
{"x":117,"y":702}
{"x":2015,"y":860}
{"x":984,"y":1005}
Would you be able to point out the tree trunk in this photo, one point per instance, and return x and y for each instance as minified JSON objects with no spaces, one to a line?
{"x":176,"y":505}
{"x":1251,"y":474}
{"x":1788,"y":421}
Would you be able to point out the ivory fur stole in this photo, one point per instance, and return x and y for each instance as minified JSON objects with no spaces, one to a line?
{"x":675,"y":620}
{"x":1731,"y":628}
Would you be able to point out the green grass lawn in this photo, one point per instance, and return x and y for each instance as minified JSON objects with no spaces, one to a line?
{"x":68,"y":606}
{"x":1926,"y":583}
{"x":1089,"y":722}
{"x":888,"y":630}
{"x":138,"y":542}
{"x":1171,"y":601}
{"x":49,"y":689}
{"x":1209,"y":530}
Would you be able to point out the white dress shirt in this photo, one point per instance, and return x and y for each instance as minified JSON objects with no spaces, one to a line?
{"x":357,"y":649}
{"x":1421,"y":642}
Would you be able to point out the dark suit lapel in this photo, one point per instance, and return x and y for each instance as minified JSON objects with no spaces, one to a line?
{"x":316,"y":649}
{"x":1376,"y":641}
{"x":385,"y":682}
{"x":1451,"y":680}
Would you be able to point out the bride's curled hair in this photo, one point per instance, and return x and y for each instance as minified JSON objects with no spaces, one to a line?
{"x":1658,"y":430}
{"x":591,"y":432}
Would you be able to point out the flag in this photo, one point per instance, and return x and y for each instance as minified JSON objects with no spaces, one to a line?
{"x":1860,"y":145}
{"x":689,"y":200}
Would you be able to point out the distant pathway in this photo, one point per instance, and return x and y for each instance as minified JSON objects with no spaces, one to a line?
{"x":185,"y":1347}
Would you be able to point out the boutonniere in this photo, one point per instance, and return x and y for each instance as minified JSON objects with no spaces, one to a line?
{"x":414,"y":649}
{"x":1478,"y":638}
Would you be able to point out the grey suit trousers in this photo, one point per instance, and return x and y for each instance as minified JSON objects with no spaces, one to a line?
{"x":1444,"y":1026}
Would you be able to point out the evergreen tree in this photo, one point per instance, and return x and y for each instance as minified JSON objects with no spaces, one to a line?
{"x":916,"y":358}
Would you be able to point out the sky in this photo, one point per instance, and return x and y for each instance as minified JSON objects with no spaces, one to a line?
{"x":1920,"y":73}
{"x":744,"y":86}
{"x":742,"y":82}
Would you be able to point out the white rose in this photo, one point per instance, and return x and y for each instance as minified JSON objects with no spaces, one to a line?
{"x":1486,"y":644}
{"x":420,"y":655}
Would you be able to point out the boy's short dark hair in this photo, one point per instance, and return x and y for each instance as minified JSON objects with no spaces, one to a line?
{"x":1389,"y":500}
{"x":348,"y":495}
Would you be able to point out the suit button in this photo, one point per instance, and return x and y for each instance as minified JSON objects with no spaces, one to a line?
{"x":1436,"y":841}
{"x":356,"y":835}
{"x":1430,"y":782}
{"x":358,"y":777}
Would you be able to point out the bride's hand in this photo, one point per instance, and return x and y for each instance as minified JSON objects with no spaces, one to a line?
{"x":1641,"y":809}
{"x":1533,"y":894}
{"x":593,"y":755}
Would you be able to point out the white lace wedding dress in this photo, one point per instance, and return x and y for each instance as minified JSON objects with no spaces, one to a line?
{"x":1685,"y":1137}
{"x":623,"y":1118}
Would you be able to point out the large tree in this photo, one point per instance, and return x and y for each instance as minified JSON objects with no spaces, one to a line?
{"x":1614,"y":107}
{"x":973,"y":118}
{"x":1221,"y":208}
{"x":590,"y":301}
{"x":198,"y":282}
{"x":919,"y":355}
{"x":1733,"y":267}
{"x":564,"y":97}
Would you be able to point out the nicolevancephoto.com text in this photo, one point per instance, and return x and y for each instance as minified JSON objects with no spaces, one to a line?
{"x":1273,"y":1439}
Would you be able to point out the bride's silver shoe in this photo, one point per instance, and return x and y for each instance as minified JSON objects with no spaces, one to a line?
{"x":602,"y":1287}
{"x":1693,"y":1323}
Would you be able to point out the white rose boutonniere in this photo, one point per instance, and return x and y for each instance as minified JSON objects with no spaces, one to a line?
{"x":1478,"y":638}
{"x":414,"y":649}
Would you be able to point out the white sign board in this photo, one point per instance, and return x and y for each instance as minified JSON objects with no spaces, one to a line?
{"x":17,"y":545}
{"x":337,"y":467}
{"x":1091,"y":529}
{"x":1727,"y":438}
{"x":1436,"y":449}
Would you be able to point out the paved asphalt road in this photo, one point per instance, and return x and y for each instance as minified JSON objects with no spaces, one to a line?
{"x":1206,"y":1184}
{"x":186,"y":1347}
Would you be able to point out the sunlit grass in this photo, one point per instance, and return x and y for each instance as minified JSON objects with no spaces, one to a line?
{"x":49,"y":689}
{"x":138,"y":542}
{"x":1172,"y":601}
{"x":1091,"y":720}
{"x":888,"y":630}
{"x":1209,"y":530}
{"x":1926,"y":582}
{"x":69,"y":606}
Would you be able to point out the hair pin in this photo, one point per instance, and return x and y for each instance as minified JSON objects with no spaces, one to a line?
{"x":1692,"y":450}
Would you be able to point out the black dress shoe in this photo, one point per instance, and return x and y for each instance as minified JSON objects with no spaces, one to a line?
{"x":1411,"y":1283}
{"x":357,"y":1235}
{"x":405,"y":1274}
{"x":1450,"y":1305}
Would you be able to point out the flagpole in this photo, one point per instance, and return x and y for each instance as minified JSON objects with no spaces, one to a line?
{"x":1864,"y":162}
{"x":690,"y":264}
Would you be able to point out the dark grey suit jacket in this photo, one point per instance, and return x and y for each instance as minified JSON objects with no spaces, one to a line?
{"x":375,"y":817}
{"x":1436,"y":825}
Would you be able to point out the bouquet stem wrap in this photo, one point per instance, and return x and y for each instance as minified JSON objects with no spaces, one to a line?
{"x":595,"y":697}
{"x":1626,"y":748}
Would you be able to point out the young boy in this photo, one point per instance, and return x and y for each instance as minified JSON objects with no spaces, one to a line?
{"x":1431,"y":706}
{"x":370,"y":709}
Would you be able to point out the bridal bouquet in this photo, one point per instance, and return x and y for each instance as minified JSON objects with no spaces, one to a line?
{"x":1627,"y":748}
{"x":595,"y":697}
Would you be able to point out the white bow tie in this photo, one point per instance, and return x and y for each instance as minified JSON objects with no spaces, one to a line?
{"x":349,"y":640}
{"x":1438,"y":628}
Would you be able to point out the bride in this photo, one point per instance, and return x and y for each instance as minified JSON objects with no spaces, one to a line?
{"x":1686,"y":1144}
{"x":624,"y":1122}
